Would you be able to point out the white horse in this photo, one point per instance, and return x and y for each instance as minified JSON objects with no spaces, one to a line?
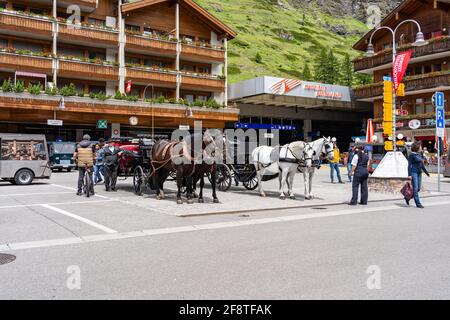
{"x":323,"y":148}
{"x":282,"y":161}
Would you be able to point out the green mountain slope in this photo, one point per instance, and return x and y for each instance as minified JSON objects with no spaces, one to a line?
{"x":277,"y":37}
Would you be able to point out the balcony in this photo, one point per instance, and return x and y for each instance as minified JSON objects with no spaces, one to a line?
{"x":435,"y":46}
{"x":88,"y":34}
{"x":203,"y":83}
{"x":430,"y":81}
{"x":25,"y":62}
{"x":202,"y":53}
{"x":18,"y":22}
{"x":141,"y":42}
{"x":149,"y":75}
{"x":87,"y":70}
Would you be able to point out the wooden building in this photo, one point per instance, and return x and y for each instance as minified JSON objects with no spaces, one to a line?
{"x":172,"y":51}
{"x":428,"y":69}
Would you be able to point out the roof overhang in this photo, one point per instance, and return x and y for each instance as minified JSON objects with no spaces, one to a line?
{"x":215,"y":23}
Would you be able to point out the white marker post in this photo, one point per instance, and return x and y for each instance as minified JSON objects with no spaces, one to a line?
{"x":440,"y":129}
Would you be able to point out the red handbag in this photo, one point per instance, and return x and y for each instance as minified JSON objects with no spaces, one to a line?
{"x":407,"y":191}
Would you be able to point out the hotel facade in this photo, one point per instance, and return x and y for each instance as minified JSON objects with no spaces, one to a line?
{"x":428,"y":69}
{"x":171,"y":55}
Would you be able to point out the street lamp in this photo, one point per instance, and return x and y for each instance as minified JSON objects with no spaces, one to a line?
{"x":420,"y":41}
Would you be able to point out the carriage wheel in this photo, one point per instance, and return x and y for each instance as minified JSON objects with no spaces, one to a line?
{"x":251,"y":184}
{"x":223,"y":178}
{"x":138,"y":180}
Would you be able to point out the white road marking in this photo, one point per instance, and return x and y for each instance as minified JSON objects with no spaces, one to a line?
{"x":74,"y":216}
{"x":33,"y":194}
{"x":64,"y":187}
{"x":54,"y":204}
{"x":202,"y":227}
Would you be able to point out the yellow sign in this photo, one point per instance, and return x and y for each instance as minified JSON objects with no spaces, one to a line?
{"x":388,"y":110}
{"x":401,"y":90}
{"x":388,"y":146}
{"x":388,"y":97}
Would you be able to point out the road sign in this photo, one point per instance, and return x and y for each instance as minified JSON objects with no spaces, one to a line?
{"x":102,"y":124}
{"x":439,"y":99}
{"x":184,"y":127}
{"x":53,"y":122}
{"x":115,"y":130}
{"x":440,"y":122}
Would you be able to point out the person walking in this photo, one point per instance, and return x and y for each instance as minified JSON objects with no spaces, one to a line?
{"x":111,"y":155}
{"x":85,"y":159}
{"x":334,"y":164}
{"x":415,"y":168}
{"x":98,"y":167}
{"x":360,"y":173}
{"x":350,"y":155}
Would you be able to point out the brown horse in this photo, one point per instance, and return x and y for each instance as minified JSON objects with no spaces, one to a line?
{"x":190,"y":165}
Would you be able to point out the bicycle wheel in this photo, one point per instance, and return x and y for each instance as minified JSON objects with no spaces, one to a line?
{"x":87,"y":184}
{"x":138,"y":180}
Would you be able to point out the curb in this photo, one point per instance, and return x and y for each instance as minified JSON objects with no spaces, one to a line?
{"x":294,"y":207}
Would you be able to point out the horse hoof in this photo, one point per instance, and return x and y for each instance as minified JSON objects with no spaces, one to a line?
{"x":292,"y":197}
{"x":201,"y":201}
{"x":179,"y":201}
{"x":195,"y":195}
{"x":216,"y":200}
{"x":263,"y":195}
{"x":190,"y":201}
{"x":283,"y":197}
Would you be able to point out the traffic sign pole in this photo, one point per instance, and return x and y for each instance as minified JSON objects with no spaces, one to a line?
{"x":439,"y":99}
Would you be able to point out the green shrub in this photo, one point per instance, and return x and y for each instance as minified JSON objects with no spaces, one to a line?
{"x":80,"y":94}
{"x":68,"y":90}
{"x":258,"y":58}
{"x":7,"y":85}
{"x":160,"y":99}
{"x":118,"y":95}
{"x":213,"y":104}
{"x":35,"y":88}
{"x":51,"y":91}
{"x":19,"y":87}
{"x":132,"y":98}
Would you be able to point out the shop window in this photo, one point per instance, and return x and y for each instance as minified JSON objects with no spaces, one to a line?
{"x":19,"y":7}
{"x":22,"y":45}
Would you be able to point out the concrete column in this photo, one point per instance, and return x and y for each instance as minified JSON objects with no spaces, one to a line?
{"x":177,"y":62}
{"x":225,"y":71}
{"x":122,"y":41}
{"x":55,"y":43}
{"x":307,"y":127}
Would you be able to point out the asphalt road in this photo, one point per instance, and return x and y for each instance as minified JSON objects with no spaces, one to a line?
{"x":84,"y":251}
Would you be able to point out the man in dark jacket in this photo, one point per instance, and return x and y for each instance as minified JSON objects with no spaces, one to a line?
{"x":111,"y":155}
{"x":85,"y":159}
{"x":360,"y":175}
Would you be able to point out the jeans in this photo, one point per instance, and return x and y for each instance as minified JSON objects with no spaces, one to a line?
{"x":98,"y":172}
{"x":417,"y":184}
{"x":333,"y":167}
{"x":81,"y":172}
{"x":349,"y":170}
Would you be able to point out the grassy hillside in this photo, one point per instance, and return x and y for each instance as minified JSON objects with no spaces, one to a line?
{"x":285,"y":37}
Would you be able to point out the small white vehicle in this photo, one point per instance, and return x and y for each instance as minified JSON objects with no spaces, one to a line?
{"x":24,"y":157}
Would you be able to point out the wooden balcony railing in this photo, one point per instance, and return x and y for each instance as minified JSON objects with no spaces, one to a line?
{"x":87,"y":34}
{"x":203,"y":53}
{"x":151,"y":44}
{"x":25,"y":62}
{"x":426,"y":81}
{"x":437,"y":45}
{"x":141,"y":75}
{"x":22,"y":23}
{"x":76,"y":69}
{"x":201,"y":83}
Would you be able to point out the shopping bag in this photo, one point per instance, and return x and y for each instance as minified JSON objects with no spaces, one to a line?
{"x":407,"y":191}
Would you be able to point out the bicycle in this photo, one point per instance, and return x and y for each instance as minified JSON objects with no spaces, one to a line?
{"x":88,"y":184}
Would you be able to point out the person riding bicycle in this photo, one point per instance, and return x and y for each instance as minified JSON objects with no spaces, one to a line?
{"x":85,"y":159}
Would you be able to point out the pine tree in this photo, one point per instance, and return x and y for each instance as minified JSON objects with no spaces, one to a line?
{"x":333,"y":68}
{"x":258,"y":58}
{"x":321,"y":69}
{"x":306,"y":73}
{"x":347,"y":71}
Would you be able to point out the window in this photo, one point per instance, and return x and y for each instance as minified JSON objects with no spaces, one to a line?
{"x":132,"y":60}
{"x":71,"y":52}
{"x":387,"y":46}
{"x":202,"y":98}
{"x":204,"y":70}
{"x":37,"y":11}
{"x":408,"y":72}
{"x":97,"y":55}
{"x":19,"y":7}
{"x":22,"y":45}
{"x":23,"y":150}
{"x":79,"y":86}
{"x":96,"y":22}
{"x":3,"y":5}
{"x":418,"y":70}
{"x":427,"y":69}
{"x":3,"y":43}
{"x":96,"y":89}
{"x":437,"y":67}
{"x":189,"y":98}
{"x":188,"y":39}
{"x":188,"y":68}
{"x":132,"y":28}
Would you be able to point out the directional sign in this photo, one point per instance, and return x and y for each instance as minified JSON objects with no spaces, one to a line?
{"x":54,"y":122}
{"x":440,"y":122}
{"x":439,"y":99}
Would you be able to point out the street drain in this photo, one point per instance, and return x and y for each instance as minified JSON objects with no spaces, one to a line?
{"x":319,"y":208}
{"x":6,"y":258}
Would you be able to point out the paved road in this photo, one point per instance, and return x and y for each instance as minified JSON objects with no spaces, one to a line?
{"x":73,"y":248}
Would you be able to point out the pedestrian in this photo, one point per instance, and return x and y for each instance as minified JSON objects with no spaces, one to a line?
{"x":85,"y":158}
{"x":334,"y":164}
{"x":415,"y":168}
{"x":98,"y":167}
{"x":360,"y":173}
{"x":350,"y":155}
{"x":111,"y":155}
{"x":426,"y":155}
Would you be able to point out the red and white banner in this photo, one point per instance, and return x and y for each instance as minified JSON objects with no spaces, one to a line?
{"x":370,"y":132}
{"x":128,"y":88}
{"x":399,"y":67}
